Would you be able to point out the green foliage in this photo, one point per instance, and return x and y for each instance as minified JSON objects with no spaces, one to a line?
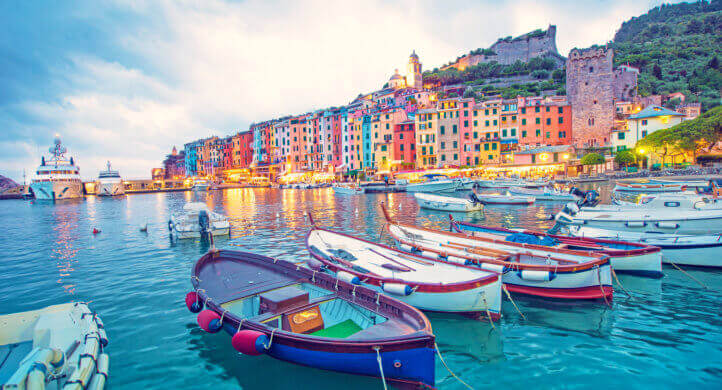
{"x":592,"y":159}
{"x":469,"y":92}
{"x":625,"y":158}
{"x":676,"y":48}
{"x":478,"y":74}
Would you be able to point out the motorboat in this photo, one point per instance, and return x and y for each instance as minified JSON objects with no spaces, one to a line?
{"x":544,"y":193}
{"x":427,"y":285}
{"x":347,"y":189}
{"x":661,"y":213}
{"x":505,"y":199}
{"x":201,"y":185}
{"x":197,"y":220}
{"x":690,"y":250}
{"x":305,"y":316}
{"x":58,"y":177}
{"x":434,"y":183}
{"x":504,"y":183}
{"x":529,"y":269}
{"x":109,"y":183}
{"x":57,"y":347}
{"x":447,"y":203}
{"x":634,"y":258}
{"x":649,"y":187}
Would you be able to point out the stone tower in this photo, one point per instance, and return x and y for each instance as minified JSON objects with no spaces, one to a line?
{"x":413,"y":71}
{"x":590,"y":89}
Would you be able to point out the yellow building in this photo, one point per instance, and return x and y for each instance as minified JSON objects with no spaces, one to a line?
{"x":426,"y":125}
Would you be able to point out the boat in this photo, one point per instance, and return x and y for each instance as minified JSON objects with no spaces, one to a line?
{"x":447,"y":203}
{"x":660,"y":213}
{"x":341,"y":189}
{"x":427,"y":285}
{"x":504,"y":183}
{"x":197,"y":220}
{"x":57,"y":347}
{"x":505,"y":199}
{"x":544,"y":193}
{"x":57,"y":178}
{"x":634,"y":258}
{"x":307,"y":317}
{"x":528,"y":269}
{"x":649,"y":187}
{"x":678,"y":249}
{"x":109,"y":183}
{"x":434,"y":183}
{"x":201,"y":185}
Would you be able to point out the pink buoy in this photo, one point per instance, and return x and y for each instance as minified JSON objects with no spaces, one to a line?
{"x":209,"y":321}
{"x":193,"y":303}
{"x":96,"y":230}
{"x":250,"y":342}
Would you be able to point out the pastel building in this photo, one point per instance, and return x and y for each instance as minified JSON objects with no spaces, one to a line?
{"x":545,"y":122}
{"x":426,"y":123}
{"x":643,"y":123}
{"x":448,"y":133}
{"x":468,"y":142}
{"x":404,"y":144}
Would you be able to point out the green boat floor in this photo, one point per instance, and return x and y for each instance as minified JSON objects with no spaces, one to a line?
{"x":339,"y":331}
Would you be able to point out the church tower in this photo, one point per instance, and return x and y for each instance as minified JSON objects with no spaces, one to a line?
{"x":414,"y":78}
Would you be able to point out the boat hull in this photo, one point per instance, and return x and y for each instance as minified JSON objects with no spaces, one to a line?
{"x":648,"y":188}
{"x":447,"y":203}
{"x":185,"y":234}
{"x":56,"y":190}
{"x":434,"y":186}
{"x":110,"y":189}
{"x":346,"y":191}
{"x":544,"y":195}
{"x":701,"y":225}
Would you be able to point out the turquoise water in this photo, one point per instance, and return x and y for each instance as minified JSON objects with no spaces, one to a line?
{"x":669,"y":335}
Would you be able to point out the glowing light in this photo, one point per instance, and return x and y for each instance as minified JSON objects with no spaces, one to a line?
{"x":642,"y":151}
{"x":565,"y":156}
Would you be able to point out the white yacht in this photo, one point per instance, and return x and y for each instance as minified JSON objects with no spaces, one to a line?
{"x":109,"y":183}
{"x":196,"y":220}
{"x":58,"y":177}
{"x":201,"y":185}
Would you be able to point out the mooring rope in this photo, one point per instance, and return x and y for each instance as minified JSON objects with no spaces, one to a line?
{"x":270,"y":341}
{"x":601,"y":288}
{"x":508,"y":295}
{"x":438,"y":352}
{"x":381,"y":367}
{"x":620,"y":284}
{"x":488,"y":313}
{"x":688,"y":275}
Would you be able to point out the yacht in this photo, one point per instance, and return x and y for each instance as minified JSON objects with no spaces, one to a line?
{"x":201,"y":185}
{"x":109,"y":183}
{"x":57,"y":177}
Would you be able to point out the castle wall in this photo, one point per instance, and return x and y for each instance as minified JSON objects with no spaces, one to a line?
{"x":625,"y":83}
{"x":591,"y":92}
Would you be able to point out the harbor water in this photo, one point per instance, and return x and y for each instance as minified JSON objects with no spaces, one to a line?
{"x":668,"y":335}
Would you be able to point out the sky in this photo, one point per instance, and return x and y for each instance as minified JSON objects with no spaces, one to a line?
{"x":126,"y":80}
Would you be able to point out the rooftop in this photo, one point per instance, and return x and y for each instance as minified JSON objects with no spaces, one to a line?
{"x":652,"y":111}
{"x":546,"y":149}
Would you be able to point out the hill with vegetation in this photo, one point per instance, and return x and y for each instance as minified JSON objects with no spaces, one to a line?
{"x":678,"y":48}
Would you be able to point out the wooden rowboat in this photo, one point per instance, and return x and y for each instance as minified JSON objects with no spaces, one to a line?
{"x":526,"y":269}
{"x":433,"y":286}
{"x":308,"y":317}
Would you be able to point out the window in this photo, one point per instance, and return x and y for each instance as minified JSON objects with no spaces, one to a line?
{"x":533,"y":158}
{"x":538,"y":133}
{"x":441,"y":130}
{"x":562,"y":134}
{"x":466,"y":112}
{"x":476,"y":160}
{"x":453,"y":129}
{"x":536,"y":109}
{"x":561,"y":111}
{"x":644,"y":122}
{"x":620,"y":135}
{"x":561,"y":119}
{"x":443,"y":145}
{"x":523,"y":110}
{"x":466,"y":123}
{"x":476,"y":123}
{"x":401,"y":147}
{"x":549,"y":121}
{"x":486,"y":123}
{"x":537,"y":121}
{"x":495,"y":122}
{"x":548,"y":134}
{"x":443,"y":157}
{"x":401,"y":135}
{"x":494,"y":146}
{"x":513,"y":132}
{"x":486,"y":146}
{"x":456,"y":145}
{"x":523,"y":121}
{"x":486,"y":112}
{"x":644,"y":133}
{"x":503,"y":133}
{"x":523,"y":134}
{"x":493,"y":111}
{"x":490,"y":157}
{"x":475,"y":112}
{"x":591,"y":69}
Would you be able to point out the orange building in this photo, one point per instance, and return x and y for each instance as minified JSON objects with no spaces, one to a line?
{"x":544,"y":121}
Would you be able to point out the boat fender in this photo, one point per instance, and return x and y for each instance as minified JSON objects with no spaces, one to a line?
{"x":209,"y":321}
{"x":429,"y":254}
{"x":250,"y":342}
{"x":498,"y":268}
{"x":406,"y":248}
{"x":101,"y":376}
{"x":314,"y":264}
{"x":193,"y":302}
{"x":536,"y":276}
{"x":170,"y":225}
{"x":397,"y":289}
{"x":667,"y":225}
{"x":442,"y":256}
{"x":103,"y":337}
{"x":636,"y":224}
{"x":99,"y":322}
{"x":96,"y":230}
{"x":457,"y":260}
{"x":348,"y":277}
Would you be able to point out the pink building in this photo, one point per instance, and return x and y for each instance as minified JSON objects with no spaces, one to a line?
{"x":404,"y":143}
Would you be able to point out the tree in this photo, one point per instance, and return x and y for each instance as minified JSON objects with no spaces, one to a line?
{"x":657,"y":71}
{"x":468,"y":92}
{"x":625,"y":158}
{"x":592,"y":159}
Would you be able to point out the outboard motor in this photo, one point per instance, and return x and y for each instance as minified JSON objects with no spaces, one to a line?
{"x":576,"y":191}
{"x":474,"y":199}
{"x":590,"y":199}
{"x":204,"y":221}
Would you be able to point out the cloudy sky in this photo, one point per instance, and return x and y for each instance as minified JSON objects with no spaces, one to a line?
{"x":128,"y":79}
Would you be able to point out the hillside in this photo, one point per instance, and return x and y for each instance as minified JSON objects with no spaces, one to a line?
{"x":677,"y":48}
{"x":6,"y":183}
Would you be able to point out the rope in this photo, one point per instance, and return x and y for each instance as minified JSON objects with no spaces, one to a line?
{"x":508,"y":295}
{"x":270,"y":341}
{"x":381,"y":230}
{"x":353,"y":292}
{"x":688,"y":275}
{"x":486,"y":307}
{"x":313,"y":276}
{"x":438,"y":352}
{"x":222,"y":315}
{"x":240,"y":324}
{"x":381,"y":368}
{"x":620,"y":283}
{"x":601,"y":288}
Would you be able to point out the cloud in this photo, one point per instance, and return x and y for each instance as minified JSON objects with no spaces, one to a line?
{"x":127,"y":80}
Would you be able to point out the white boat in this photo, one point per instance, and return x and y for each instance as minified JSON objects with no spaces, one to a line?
{"x":434,"y":183}
{"x":680,"y":249}
{"x":196,"y":220}
{"x":544,"y":193}
{"x":427,"y":285}
{"x":58,"y":347}
{"x":201,"y":185}
{"x":58,"y":177}
{"x":447,"y":203}
{"x":660,"y":213}
{"x":109,"y":183}
{"x":465,"y":184}
{"x":649,"y":187}
{"x":526,"y":269}
{"x":342,"y":189}
{"x":502,"y":183}
{"x":505,"y":199}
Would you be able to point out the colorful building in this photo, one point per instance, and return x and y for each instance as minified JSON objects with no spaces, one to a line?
{"x":404,"y":144}
{"x":643,"y":123}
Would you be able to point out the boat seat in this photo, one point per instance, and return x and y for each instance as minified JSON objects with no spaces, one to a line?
{"x":382,"y":330}
{"x":10,"y":357}
{"x":341,"y":330}
{"x":313,"y":302}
